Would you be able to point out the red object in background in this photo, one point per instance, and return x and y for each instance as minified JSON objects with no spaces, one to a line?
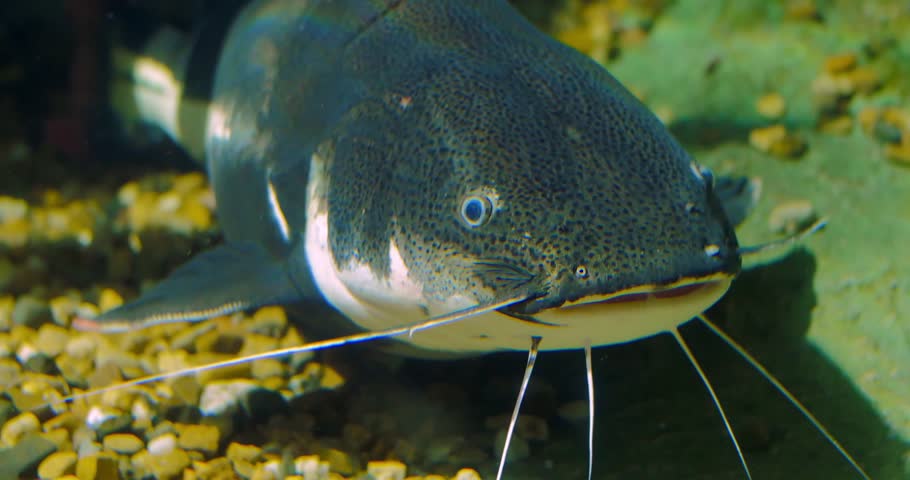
{"x":69,"y":132}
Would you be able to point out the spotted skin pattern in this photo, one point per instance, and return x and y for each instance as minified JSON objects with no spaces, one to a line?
{"x":435,"y":100}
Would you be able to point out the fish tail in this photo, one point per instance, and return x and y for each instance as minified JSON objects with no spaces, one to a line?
{"x":147,"y":86}
{"x":162,"y":76}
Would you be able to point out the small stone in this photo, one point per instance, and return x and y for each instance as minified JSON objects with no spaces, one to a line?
{"x":59,"y":436}
{"x":791,"y":217}
{"x":8,"y":273}
{"x":7,"y":409}
{"x":25,"y":455}
{"x":97,"y":467}
{"x":57,"y":465}
{"x":267,"y":368}
{"x":339,"y":462}
{"x":104,"y":374}
{"x":255,"y":343}
{"x":790,"y":147}
{"x":292,"y":339}
{"x":223,"y":397}
{"x":7,"y":303}
{"x":84,"y":441}
{"x":98,"y":416}
{"x":80,"y":347}
{"x":868,"y":118}
{"x":109,"y":299}
{"x":777,"y":141}
{"x":270,"y":321}
{"x":66,"y":420}
{"x":162,"y":444}
{"x":10,"y":373}
{"x":771,"y":105}
{"x":19,"y":426}
{"x":763,"y":138}
{"x":12,"y":209}
{"x":865,"y":80}
{"x":839,"y":125}
{"x":143,"y":414}
{"x":216,"y":469}
{"x":248,"y":453}
{"x":386,"y":470}
{"x":315,"y":376}
{"x":467,"y":474}
{"x":226,"y":341}
{"x":186,"y":338}
{"x":51,"y":339}
{"x":899,"y":154}
{"x":202,"y":438}
{"x":188,"y":183}
{"x":840,"y":63}
{"x":270,"y":470}
{"x":311,"y":468}
{"x":803,"y":10}
{"x":887,"y":132}
{"x":243,"y":468}
{"x":169,"y":465}
{"x":31,"y":312}
{"x":36,"y":362}
{"x":831,"y":93}
{"x":123,"y":443}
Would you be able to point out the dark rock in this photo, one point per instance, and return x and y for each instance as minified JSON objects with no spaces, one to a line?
{"x":20,"y":460}
{"x":31,"y":312}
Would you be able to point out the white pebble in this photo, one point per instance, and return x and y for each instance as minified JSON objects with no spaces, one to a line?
{"x":162,"y":444}
{"x":222,"y":397}
{"x":97,"y":416}
{"x":386,"y":470}
{"x":311,"y":468}
{"x":25,"y":352}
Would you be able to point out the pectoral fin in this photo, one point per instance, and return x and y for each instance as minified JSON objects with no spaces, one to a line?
{"x":738,"y":195}
{"x":223,"y":280}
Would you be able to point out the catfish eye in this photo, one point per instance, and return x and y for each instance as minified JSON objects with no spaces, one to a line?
{"x":476,"y":210}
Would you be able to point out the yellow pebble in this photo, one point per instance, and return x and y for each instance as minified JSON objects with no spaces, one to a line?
{"x":16,"y":427}
{"x":387,"y":470}
{"x":899,"y":154}
{"x":109,"y":299}
{"x":467,"y":474}
{"x":188,"y":182}
{"x":15,"y":234}
{"x":12,"y":209}
{"x":867,"y":118}
{"x":763,"y":138}
{"x":839,"y":125}
{"x":840,"y":63}
{"x":771,"y":105}
{"x":328,"y":377}
{"x":57,"y":465}
{"x":865,"y":79}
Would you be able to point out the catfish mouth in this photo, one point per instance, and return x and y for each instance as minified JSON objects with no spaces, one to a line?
{"x":672,"y":292}
{"x":637,"y":294}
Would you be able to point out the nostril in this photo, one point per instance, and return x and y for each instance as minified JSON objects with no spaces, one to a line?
{"x":692,"y":209}
{"x":712,"y":250}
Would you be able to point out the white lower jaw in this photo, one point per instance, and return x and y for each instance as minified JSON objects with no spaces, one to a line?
{"x":597,"y":323}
